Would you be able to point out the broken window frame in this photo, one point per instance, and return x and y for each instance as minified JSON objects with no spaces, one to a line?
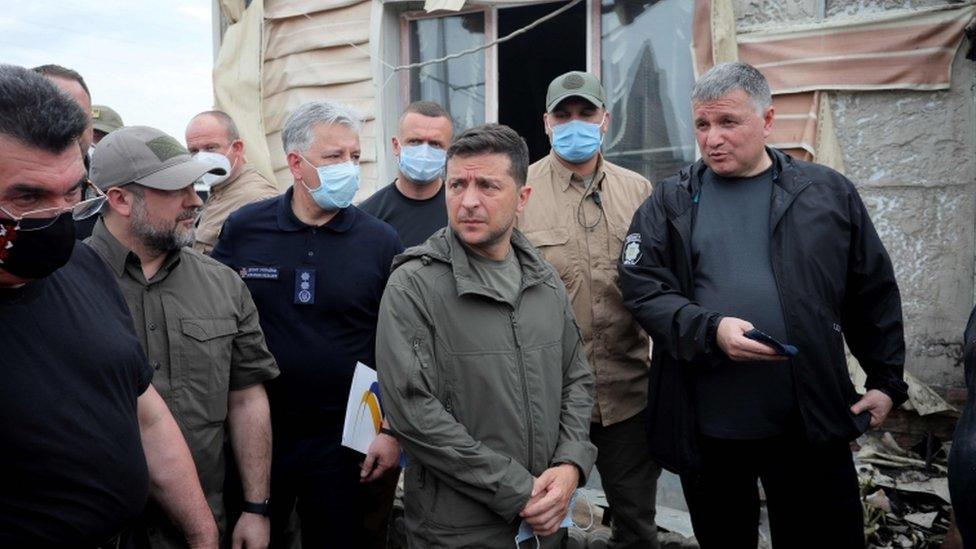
{"x":488,"y":54}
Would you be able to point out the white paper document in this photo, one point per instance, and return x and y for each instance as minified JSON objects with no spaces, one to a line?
{"x":364,"y":410}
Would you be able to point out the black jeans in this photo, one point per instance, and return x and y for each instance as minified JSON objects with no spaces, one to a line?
{"x":812,"y":494}
{"x":320,"y":480}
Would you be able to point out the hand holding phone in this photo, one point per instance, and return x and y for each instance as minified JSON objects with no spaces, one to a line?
{"x":784,"y":349}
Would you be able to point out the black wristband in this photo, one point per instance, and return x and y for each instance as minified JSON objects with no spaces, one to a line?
{"x":387,"y":432}
{"x":263,"y":508}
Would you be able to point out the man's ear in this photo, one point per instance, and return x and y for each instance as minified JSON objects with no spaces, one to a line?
{"x":546,"y":126}
{"x":396,"y":146}
{"x":523,"y":197}
{"x":768,"y":117}
{"x":120,"y":201}
{"x":295,"y":165}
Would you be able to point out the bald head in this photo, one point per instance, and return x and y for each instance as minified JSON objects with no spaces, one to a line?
{"x":220,"y":118}
{"x":215,"y":131}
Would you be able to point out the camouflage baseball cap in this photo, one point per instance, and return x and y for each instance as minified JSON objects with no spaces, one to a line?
{"x":105,"y":119}
{"x":147,"y":156}
{"x":574,"y":84}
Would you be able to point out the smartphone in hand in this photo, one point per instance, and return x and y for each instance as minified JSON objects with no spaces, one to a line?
{"x":783,"y":349}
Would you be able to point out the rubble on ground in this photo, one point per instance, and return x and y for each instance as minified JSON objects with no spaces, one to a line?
{"x":905,"y":494}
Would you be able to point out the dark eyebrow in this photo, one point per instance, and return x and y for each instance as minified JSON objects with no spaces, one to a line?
{"x":25,"y":188}
{"x":28,"y":189}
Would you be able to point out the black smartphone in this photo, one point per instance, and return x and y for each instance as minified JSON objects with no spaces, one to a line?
{"x":766,"y":339}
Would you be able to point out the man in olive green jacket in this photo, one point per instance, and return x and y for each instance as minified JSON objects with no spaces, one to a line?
{"x":480,"y":365}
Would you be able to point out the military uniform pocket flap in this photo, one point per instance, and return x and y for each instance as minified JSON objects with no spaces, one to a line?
{"x":205,"y":329}
{"x":548,"y":237}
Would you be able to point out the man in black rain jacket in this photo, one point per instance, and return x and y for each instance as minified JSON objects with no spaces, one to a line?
{"x":749,"y":238}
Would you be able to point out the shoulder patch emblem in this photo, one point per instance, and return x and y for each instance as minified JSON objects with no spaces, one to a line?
{"x":631,"y":253}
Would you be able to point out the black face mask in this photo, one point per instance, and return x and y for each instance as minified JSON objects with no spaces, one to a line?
{"x":34,"y":254}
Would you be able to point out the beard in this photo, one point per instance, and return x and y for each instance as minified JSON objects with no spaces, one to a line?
{"x":161,"y":236}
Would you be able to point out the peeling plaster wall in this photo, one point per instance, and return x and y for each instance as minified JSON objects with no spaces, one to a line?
{"x":912,"y":156}
{"x":755,"y":12}
{"x":856,"y":7}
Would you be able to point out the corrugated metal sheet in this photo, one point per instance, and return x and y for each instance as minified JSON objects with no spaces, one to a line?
{"x":316,"y":50}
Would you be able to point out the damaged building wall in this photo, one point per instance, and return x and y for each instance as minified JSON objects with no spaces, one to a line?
{"x":912,"y":155}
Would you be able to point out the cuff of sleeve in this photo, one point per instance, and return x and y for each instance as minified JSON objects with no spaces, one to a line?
{"x":579,"y":453}
{"x":714,"y":355}
{"x":514,"y":492}
{"x":255,"y":374}
{"x":896,"y":389}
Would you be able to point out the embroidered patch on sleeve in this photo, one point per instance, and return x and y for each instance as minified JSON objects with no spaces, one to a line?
{"x":631,"y":253}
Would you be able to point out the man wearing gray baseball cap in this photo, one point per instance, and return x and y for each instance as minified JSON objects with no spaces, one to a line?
{"x":195,"y":319}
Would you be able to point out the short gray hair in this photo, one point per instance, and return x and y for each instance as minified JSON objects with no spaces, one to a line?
{"x":725,"y":78}
{"x":296,"y":135}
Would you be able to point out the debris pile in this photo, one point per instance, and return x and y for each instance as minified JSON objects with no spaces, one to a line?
{"x":905,"y":493}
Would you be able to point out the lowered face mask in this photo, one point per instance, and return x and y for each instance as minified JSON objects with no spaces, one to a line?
{"x":338,"y":184}
{"x":525,"y":532}
{"x":576,"y":141}
{"x":422,"y":164}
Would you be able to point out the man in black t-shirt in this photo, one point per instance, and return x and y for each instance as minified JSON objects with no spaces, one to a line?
{"x":85,"y":437}
{"x":414,"y":203}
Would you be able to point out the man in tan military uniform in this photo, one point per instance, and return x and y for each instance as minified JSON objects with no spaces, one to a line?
{"x":195,"y":319}
{"x":212,"y":136}
{"x":578,"y":217}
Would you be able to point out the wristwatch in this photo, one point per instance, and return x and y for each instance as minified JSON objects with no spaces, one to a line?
{"x":387,"y":432}
{"x":263,"y":508}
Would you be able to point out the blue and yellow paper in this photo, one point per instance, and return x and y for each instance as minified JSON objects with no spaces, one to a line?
{"x":364,"y":410}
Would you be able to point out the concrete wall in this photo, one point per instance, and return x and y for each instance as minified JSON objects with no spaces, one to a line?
{"x":912,"y":156}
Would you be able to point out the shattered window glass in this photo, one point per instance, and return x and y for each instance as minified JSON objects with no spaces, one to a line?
{"x":647,"y":74}
{"x":458,"y":84}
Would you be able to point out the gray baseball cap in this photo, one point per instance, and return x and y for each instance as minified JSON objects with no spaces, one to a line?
{"x":574,"y":84}
{"x":147,"y":156}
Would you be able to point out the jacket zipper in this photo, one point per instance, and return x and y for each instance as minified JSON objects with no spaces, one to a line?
{"x":782,"y":305}
{"x":525,"y":390}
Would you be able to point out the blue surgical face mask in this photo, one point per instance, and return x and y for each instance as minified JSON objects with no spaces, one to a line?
{"x":338,"y":184}
{"x":525,"y":532}
{"x":422,"y":164}
{"x":576,"y":141}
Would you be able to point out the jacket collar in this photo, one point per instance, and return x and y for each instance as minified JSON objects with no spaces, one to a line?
{"x":445,"y":247}
{"x":787,"y":175}
{"x":565,"y":176}
{"x":289,"y":222}
{"x":219,"y":188}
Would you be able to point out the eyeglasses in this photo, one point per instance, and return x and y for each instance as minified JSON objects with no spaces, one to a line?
{"x":36,"y":220}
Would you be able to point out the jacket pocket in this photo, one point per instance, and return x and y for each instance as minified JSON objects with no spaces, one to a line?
{"x":452,"y":510}
{"x":556,"y":248}
{"x":205,"y":351}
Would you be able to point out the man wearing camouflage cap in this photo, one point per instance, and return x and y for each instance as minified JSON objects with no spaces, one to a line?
{"x":578,"y":217}
{"x":104,"y":121}
{"x":194,"y":317}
